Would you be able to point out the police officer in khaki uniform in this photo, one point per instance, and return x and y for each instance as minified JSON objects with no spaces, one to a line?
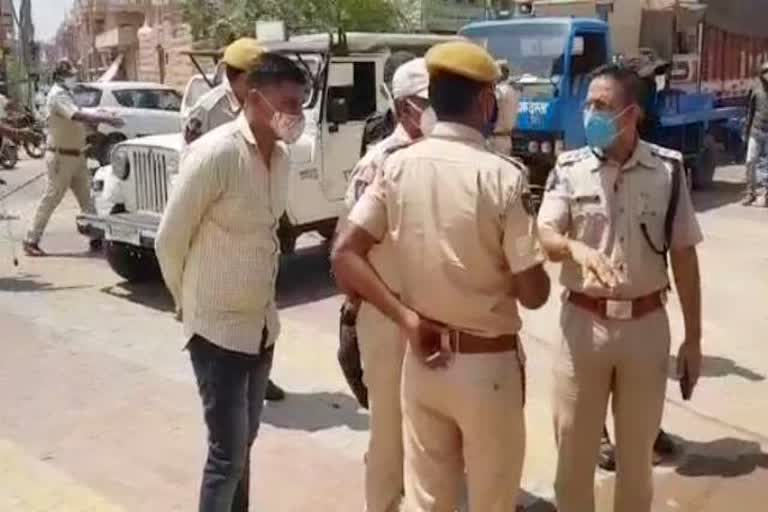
{"x":466,"y":255}
{"x":223,"y":104}
{"x":65,"y":160}
{"x":605,"y":215}
{"x":381,"y":345}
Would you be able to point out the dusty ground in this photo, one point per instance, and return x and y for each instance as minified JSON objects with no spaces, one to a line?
{"x":98,"y":410}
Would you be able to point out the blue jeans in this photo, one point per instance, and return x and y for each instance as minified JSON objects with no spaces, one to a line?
{"x":232,"y":387}
{"x":757,"y":155}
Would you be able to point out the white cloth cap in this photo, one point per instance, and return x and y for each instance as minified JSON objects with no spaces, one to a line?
{"x":411,"y":79}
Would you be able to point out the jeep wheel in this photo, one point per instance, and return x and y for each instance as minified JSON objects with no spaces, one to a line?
{"x":133,"y":264}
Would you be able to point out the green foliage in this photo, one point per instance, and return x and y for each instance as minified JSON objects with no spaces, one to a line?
{"x":222,"y":21}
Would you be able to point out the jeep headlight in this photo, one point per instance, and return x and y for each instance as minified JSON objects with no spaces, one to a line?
{"x":172,"y":164}
{"x":121,"y":166}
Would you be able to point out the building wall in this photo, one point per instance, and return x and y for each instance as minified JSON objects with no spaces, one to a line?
{"x":160,"y":47}
{"x":625,"y":23}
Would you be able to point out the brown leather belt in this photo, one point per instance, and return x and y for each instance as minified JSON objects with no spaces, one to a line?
{"x":619,"y":309}
{"x":464,"y":343}
{"x":66,"y":152}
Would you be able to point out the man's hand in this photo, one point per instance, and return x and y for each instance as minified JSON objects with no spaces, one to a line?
{"x":423,"y":336}
{"x":113,"y":121}
{"x":689,"y":359}
{"x":594,"y":263}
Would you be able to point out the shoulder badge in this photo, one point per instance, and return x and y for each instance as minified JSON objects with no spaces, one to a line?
{"x":666,"y":153}
{"x":573,"y":157}
{"x":511,"y":159}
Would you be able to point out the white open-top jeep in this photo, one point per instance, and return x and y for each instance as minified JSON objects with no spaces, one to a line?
{"x":346,"y":73}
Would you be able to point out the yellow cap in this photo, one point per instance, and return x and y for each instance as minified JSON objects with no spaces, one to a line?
{"x":243,"y":54}
{"x":464,"y":59}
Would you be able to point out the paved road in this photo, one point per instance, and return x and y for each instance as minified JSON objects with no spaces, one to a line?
{"x":98,"y":409}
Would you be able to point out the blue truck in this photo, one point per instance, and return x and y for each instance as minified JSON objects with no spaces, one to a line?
{"x":550,"y":61}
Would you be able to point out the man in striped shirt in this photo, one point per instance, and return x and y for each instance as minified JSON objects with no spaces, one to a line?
{"x":218,"y":250}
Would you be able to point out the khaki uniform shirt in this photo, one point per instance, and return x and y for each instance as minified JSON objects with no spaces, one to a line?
{"x":604,"y":206}
{"x":214,"y":108}
{"x":459,"y":231}
{"x":217,"y":243}
{"x":363,"y":174}
{"x":63,"y":132}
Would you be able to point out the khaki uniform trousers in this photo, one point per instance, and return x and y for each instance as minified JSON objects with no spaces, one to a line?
{"x":467,"y":416}
{"x":382,"y":349}
{"x":64,"y":173}
{"x":627,"y":359}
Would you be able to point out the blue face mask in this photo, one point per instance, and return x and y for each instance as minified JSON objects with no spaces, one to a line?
{"x":600,"y":128}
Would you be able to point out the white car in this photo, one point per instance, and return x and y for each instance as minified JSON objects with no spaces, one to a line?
{"x":146,"y":108}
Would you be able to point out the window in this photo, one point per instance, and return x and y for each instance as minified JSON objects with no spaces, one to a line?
{"x":589,"y":53}
{"x":153,"y":99}
{"x":360,"y":95}
{"x":86,"y":97}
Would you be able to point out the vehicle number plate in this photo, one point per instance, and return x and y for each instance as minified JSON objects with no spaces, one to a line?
{"x":125,"y":234}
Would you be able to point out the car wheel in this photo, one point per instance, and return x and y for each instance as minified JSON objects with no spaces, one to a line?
{"x":133,"y":264}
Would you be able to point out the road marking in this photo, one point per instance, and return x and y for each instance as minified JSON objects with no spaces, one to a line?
{"x":31,"y":485}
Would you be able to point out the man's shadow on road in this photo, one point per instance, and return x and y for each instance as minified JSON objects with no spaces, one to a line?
{"x":721,"y":193}
{"x":717,"y":367}
{"x":151,"y":294}
{"x":304,"y":277}
{"x":728,"y":457}
{"x":312,"y":412}
{"x":31,"y":283}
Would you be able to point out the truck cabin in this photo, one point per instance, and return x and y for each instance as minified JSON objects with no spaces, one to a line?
{"x":550,"y":61}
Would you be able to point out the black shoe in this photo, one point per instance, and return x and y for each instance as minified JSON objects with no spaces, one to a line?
{"x":32,"y":249}
{"x":274,"y":393}
{"x":95,"y":244}
{"x":664,"y":446}
{"x":607,"y":458}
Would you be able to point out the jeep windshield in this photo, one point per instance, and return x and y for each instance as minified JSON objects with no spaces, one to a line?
{"x":312,"y":65}
{"x":535,"y":50}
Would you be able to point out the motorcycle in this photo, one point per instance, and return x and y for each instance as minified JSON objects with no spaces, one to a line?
{"x":35,"y":147}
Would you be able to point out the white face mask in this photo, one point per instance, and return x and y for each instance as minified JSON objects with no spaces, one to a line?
{"x":428,"y":121}
{"x":287,"y":127}
{"x":70,"y":81}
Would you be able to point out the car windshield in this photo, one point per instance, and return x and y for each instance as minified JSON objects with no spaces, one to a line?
{"x":86,"y":97}
{"x":536,"y":49}
{"x":153,"y":99}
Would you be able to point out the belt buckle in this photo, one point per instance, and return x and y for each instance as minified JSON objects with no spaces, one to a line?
{"x":618,"y":309}
{"x":450,"y":341}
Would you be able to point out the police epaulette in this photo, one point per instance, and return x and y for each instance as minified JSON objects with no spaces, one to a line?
{"x":671,"y":155}
{"x":398,"y":147}
{"x":511,"y":159}
{"x":571,"y":157}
